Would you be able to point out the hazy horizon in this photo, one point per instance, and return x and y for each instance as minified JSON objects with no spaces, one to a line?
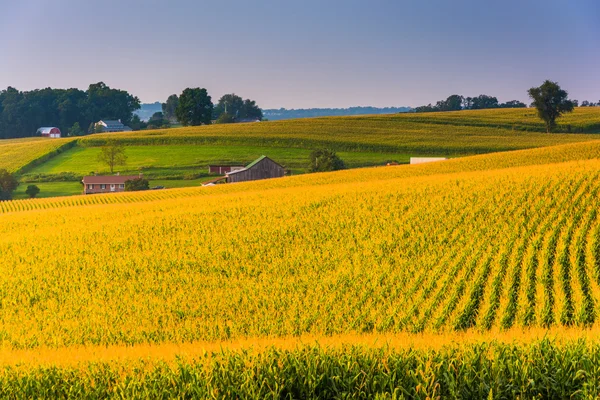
{"x":307,"y":54}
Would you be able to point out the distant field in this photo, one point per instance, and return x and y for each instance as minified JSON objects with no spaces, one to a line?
{"x":451,"y":134}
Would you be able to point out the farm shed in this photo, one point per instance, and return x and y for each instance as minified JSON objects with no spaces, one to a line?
{"x":223,"y":169}
{"x":49,"y":132}
{"x":106,"y":184}
{"x":423,"y":160}
{"x":263,"y":168}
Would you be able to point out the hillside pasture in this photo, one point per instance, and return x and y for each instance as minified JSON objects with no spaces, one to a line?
{"x":191,"y":161}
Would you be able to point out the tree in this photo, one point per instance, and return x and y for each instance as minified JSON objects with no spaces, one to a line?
{"x":322,"y":160}
{"x":225,"y":118}
{"x":483,"y":102}
{"x":134,"y":185}
{"x":112,"y":155}
{"x":550,"y":102}
{"x":169,"y":108}
{"x":32,"y":191}
{"x":8,"y":184}
{"x":76,"y":130}
{"x":237,"y":108}
{"x":137,"y":124}
{"x":195,"y":107}
{"x":585,"y":103}
{"x":251,"y":111}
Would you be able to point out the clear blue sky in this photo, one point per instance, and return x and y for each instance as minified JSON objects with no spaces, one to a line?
{"x":309,"y":53}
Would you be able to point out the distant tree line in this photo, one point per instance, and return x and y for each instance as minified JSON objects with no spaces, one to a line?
{"x":457,"y":102}
{"x":194,"y":107}
{"x":22,"y":113}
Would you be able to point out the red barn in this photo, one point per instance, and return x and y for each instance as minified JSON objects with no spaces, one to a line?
{"x":106,"y":184}
{"x":49,"y":132}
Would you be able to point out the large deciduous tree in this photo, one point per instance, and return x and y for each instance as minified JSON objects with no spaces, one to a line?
{"x":195,"y":107}
{"x":112,"y":155}
{"x":550,"y":102}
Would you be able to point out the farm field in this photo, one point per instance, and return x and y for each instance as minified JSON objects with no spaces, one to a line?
{"x":447,"y":133}
{"x":178,"y":161}
{"x":184,"y":153}
{"x":491,"y":245}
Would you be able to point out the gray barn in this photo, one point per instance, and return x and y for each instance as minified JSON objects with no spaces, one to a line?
{"x":263,"y":168}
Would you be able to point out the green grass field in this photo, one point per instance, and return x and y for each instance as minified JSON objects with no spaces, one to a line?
{"x":177,"y":161}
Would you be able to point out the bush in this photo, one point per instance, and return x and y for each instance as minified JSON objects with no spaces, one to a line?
{"x":32,"y":191}
{"x":323,"y":160}
{"x":134,"y":185}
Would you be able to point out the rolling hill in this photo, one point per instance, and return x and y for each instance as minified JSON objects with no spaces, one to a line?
{"x":180,"y":157}
{"x":382,"y":261}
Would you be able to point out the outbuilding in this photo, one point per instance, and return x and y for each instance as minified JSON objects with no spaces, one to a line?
{"x":49,"y":132}
{"x":262,"y":168}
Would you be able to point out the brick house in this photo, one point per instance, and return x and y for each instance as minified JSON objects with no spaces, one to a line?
{"x":106,"y":184}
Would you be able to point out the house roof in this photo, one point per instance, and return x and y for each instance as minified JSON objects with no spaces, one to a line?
{"x":110,"y":179}
{"x":112,"y":123}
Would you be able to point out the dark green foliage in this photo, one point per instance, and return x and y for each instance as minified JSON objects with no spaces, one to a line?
{"x":8,"y":184}
{"x":170,"y":107}
{"x":195,"y":107}
{"x":32,"y":191}
{"x":550,"y":102}
{"x":481,"y":102}
{"x":138,"y":184}
{"x":158,"y":120}
{"x":76,"y":130}
{"x":22,"y":113}
{"x":237,"y":108}
{"x":323,"y":160}
{"x":225,"y":118}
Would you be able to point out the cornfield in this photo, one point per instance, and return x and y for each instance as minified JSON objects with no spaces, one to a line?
{"x":18,"y":154}
{"x":452,"y":133}
{"x":490,"y":243}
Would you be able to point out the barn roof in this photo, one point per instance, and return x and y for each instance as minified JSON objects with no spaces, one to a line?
{"x":253,"y":163}
{"x":46,"y":129}
{"x":110,"y":179}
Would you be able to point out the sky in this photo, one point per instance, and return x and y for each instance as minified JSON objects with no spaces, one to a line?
{"x":302,"y":54}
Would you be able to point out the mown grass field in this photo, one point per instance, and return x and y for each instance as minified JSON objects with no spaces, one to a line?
{"x":483,"y":245}
{"x":181,"y":161}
